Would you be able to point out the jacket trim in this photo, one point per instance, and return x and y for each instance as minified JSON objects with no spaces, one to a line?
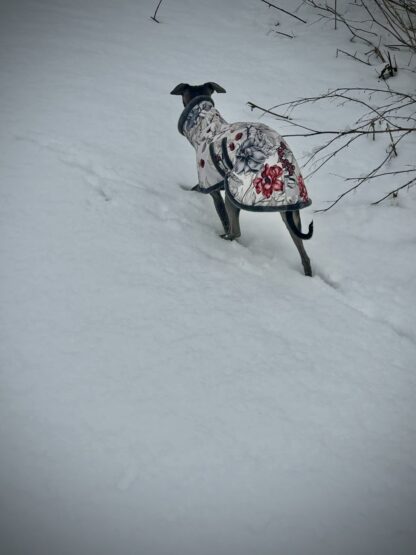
{"x":225,"y":153}
{"x":285,"y":208}
{"x":217,"y":187}
{"x":215,"y":160}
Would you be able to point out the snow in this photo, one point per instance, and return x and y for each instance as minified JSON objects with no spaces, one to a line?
{"x":164,"y":391}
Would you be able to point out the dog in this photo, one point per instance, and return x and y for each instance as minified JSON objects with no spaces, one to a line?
{"x":251,"y":162}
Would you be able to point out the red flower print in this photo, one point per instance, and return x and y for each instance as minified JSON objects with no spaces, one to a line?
{"x":303,"y":193}
{"x":202,"y":163}
{"x":232,"y":146}
{"x":290,"y":168}
{"x":238,"y":136}
{"x":269,"y":181}
{"x":281,"y":150}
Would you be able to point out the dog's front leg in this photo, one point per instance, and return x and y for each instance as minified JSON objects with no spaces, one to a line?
{"x":234,"y":218}
{"x":221,"y":211}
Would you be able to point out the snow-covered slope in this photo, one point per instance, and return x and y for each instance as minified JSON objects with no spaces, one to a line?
{"x":164,"y":391}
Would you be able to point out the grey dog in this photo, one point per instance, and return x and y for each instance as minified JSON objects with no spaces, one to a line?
{"x":220,"y":158}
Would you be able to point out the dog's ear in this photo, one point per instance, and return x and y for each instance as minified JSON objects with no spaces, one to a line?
{"x":215,"y":87}
{"x":180,"y":89}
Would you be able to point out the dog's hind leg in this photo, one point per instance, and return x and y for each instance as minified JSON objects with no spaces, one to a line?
{"x":234,"y":218}
{"x":298,"y":242}
{"x":221,"y":211}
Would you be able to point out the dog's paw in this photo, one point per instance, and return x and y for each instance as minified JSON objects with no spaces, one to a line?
{"x":308,"y":270}
{"x":229,"y":236}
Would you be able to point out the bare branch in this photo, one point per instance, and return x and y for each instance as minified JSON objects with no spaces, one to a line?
{"x":362,"y":180}
{"x":253,"y":106}
{"x":381,"y":111}
{"x":354,"y":56}
{"x":284,"y":11}
{"x":409,"y":184}
{"x":381,"y":175}
{"x":157,"y":9}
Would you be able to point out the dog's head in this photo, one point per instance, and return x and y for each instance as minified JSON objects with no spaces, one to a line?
{"x":188,"y":92}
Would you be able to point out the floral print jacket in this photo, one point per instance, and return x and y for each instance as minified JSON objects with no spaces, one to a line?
{"x":251,"y":161}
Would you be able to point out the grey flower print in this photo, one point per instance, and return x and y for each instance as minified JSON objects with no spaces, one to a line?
{"x":252,"y":154}
{"x":195,"y":113}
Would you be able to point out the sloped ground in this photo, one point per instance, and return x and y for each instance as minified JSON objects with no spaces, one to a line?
{"x":164,"y":391}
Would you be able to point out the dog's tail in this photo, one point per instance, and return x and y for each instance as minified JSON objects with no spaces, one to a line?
{"x":296,"y":231}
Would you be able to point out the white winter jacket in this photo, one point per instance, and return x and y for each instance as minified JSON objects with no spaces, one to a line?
{"x":251,"y":161}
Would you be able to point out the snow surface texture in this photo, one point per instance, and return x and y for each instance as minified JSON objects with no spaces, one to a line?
{"x":164,"y":391}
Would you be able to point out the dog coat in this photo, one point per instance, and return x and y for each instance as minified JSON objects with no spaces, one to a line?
{"x":251,"y":161}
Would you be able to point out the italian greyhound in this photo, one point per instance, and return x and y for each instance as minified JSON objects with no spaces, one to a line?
{"x":227,"y":208}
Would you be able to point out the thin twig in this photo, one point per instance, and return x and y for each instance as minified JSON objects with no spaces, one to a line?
{"x":284,"y":34}
{"x":154,"y":15}
{"x":312,"y":132}
{"x":381,"y":175}
{"x":284,"y":11}
{"x":363,"y":180}
{"x":336,"y":15}
{"x":253,"y":106}
{"x":354,"y":56}
{"x":409,"y":184}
